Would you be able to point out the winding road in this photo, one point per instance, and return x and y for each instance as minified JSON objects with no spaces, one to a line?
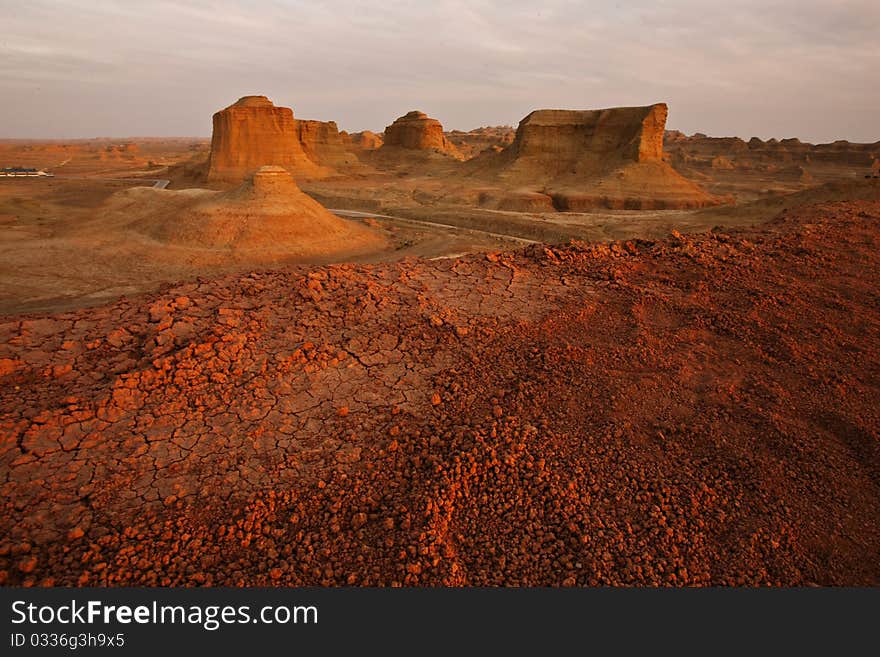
{"x":357,"y":214}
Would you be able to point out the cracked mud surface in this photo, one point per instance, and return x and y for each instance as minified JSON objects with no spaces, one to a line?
{"x":696,"y":410}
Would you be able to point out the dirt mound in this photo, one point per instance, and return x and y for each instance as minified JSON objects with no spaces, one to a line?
{"x":697,"y":410}
{"x":268,"y":216}
{"x":251,"y":133}
{"x":593,"y":158}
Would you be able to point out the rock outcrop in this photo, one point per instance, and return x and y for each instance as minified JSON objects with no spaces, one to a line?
{"x":366,"y":140}
{"x":610,"y":158}
{"x":417,"y":131}
{"x":572,"y":139}
{"x":324,"y":145}
{"x":796,"y":173}
{"x":700,"y":150}
{"x":772,"y":166}
{"x":251,"y":133}
{"x":474,"y":142}
{"x":721,"y":162}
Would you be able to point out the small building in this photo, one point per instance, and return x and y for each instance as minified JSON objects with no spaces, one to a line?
{"x":19,"y":172}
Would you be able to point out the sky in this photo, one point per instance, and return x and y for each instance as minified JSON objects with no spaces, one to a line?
{"x":766,"y":68}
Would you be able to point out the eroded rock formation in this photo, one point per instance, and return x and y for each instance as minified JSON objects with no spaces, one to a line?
{"x":366,"y":140}
{"x":251,"y":133}
{"x":775,"y":166}
{"x":577,"y":141}
{"x":583,"y":159}
{"x":266,"y":216}
{"x":323,"y":144}
{"x":699,"y":150}
{"x":417,"y":131}
{"x":474,"y":142}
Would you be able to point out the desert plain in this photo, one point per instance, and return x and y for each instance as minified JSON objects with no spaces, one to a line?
{"x":584,"y":350}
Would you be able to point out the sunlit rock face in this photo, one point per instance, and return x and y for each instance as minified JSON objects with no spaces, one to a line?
{"x":417,"y":131}
{"x":251,"y":133}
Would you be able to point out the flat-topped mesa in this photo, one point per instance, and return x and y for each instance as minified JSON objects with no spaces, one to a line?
{"x":252,"y":132}
{"x":417,"y":131}
{"x":569,"y":137}
{"x":583,"y":159}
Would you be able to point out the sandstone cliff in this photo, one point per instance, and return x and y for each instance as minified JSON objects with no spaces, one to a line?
{"x":324,"y":144}
{"x":417,"y":131}
{"x":571,"y":141}
{"x":583,"y":159}
{"x":251,"y":133}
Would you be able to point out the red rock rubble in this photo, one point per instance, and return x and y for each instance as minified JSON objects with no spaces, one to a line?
{"x":697,"y":410}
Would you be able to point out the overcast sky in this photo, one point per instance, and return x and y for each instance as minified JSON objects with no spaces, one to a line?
{"x":771,"y":68}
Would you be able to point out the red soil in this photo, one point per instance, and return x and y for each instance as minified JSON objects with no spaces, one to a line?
{"x":697,"y":410}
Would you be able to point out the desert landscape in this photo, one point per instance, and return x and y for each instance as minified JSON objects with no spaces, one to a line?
{"x":586,"y":350}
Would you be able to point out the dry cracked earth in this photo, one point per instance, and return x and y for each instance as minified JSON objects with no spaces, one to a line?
{"x":697,"y":410}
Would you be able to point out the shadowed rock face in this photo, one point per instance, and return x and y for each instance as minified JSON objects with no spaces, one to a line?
{"x":416,"y":130}
{"x":575,"y":138}
{"x":252,"y":133}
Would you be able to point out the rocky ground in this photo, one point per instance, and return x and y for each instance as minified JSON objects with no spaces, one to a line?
{"x":696,"y":410}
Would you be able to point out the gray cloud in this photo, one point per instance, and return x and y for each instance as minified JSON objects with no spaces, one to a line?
{"x":770,"y":68}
